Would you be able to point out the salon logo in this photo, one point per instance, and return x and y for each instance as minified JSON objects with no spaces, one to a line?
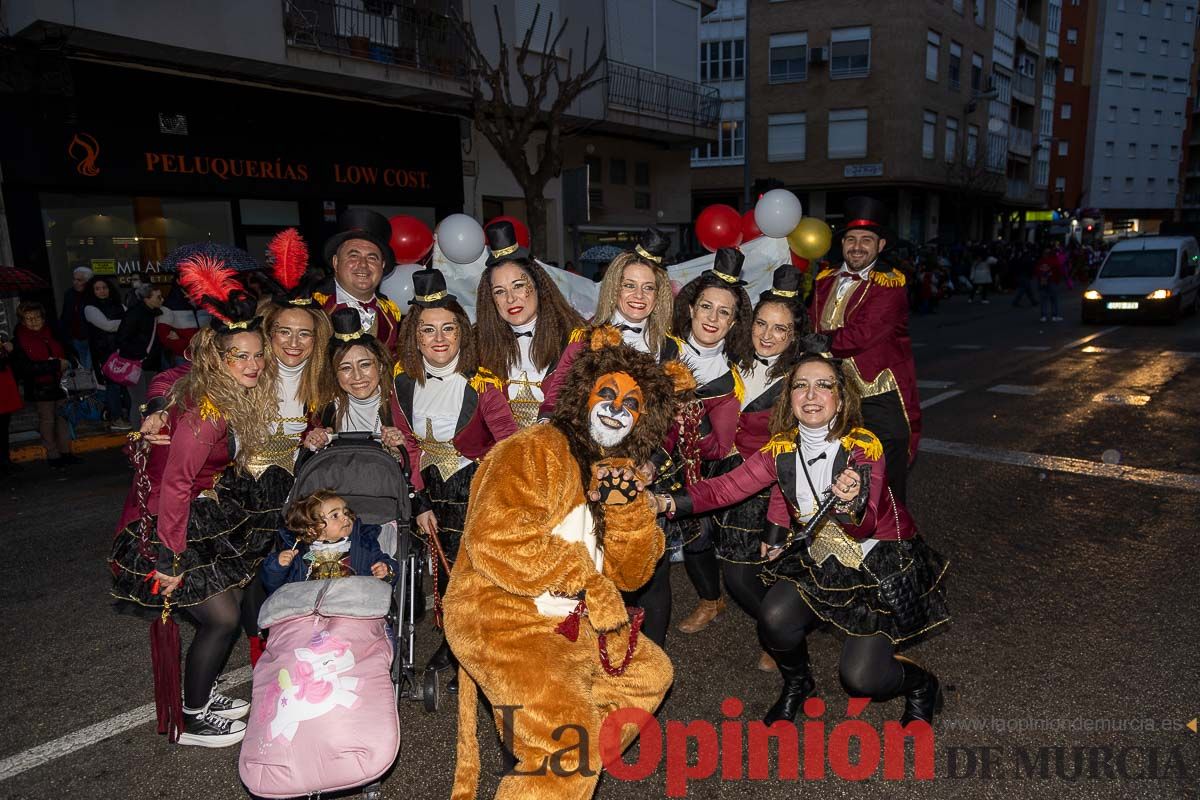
{"x":84,"y":149}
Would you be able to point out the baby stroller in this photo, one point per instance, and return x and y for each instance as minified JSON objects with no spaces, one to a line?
{"x":321,"y":631}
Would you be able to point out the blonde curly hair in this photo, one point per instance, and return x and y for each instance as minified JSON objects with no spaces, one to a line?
{"x":247,"y":411}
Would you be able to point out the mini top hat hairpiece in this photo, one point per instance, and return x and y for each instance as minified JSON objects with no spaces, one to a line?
{"x":502,"y":244}
{"x":429,"y":289}
{"x":652,"y":246}
{"x":727,"y":266}
{"x":347,"y":328}
{"x":785,"y":284}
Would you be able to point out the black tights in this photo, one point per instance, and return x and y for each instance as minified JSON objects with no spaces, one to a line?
{"x":253,"y":597}
{"x":655,"y":599}
{"x":700,"y":561}
{"x":744,"y":586}
{"x":217,"y":620}
{"x":868,"y":666}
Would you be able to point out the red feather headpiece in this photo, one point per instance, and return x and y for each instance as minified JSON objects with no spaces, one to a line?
{"x":208,"y":283}
{"x":289,"y":258}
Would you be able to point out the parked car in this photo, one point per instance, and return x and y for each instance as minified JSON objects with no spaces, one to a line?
{"x":1149,"y":277}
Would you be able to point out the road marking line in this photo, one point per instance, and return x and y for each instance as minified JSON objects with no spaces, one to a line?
{"x":1092,"y":349}
{"x":1033,"y":348}
{"x":1077,"y":466}
{"x":1118,"y":399}
{"x":934,"y":384}
{"x":937,"y":398}
{"x":85,"y":737}
{"x":1008,"y":388}
{"x":1180,"y":353}
{"x":966,"y":347}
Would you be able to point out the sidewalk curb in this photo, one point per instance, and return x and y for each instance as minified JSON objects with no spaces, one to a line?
{"x":103,"y":441}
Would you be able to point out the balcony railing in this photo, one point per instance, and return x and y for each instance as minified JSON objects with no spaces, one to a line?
{"x":645,"y":91}
{"x":1031,"y":33}
{"x":1024,"y":88}
{"x":1020,"y":141}
{"x":407,"y":33}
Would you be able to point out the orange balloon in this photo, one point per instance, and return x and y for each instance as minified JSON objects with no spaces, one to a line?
{"x":811,"y":238}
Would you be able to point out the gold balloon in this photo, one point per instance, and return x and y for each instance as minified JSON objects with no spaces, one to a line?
{"x":811,"y":238}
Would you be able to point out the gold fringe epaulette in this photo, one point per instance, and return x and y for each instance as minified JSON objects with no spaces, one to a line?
{"x":577,"y":335}
{"x":320,"y":298}
{"x":484,"y":378}
{"x":781,"y":443}
{"x":208,"y":410}
{"x":864,"y":439}
{"x":387,"y":305}
{"x":739,"y":386}
{"x":676,"y":340}
{"x":891,"y":279}
{"x":397,"y":370}
{"x":825,"y":273}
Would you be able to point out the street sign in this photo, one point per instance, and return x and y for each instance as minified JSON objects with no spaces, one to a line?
{"x":863,"y":171}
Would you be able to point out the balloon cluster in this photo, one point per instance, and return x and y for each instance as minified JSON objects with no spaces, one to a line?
{"x":777,"y":215}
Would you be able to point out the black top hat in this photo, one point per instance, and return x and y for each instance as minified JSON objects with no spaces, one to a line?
{"x":502,"y":244}
{"x":347,"y":328}
{"x":727,"y":266}
{"x":363,"y":223}
{"x":429,"y":289}
{"x":785,"y":285}
{"x":652,"y":246}
{"x":867,"y":214}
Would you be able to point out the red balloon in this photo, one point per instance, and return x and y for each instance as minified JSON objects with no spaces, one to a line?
{"x":719,"y":226}
{"x":750,"y":229}
{"x":411,"y":239}
{"x":518,"y":227}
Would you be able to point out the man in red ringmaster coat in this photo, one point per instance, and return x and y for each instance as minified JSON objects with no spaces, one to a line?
{"x":862,"y":307}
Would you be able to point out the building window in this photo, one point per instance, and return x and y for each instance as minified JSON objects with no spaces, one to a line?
{"x":1060,"y":184}
{"x":1112,"y":113}
{"x":1164,"y":47}
{"x":1169,"y":11}
{"x":1145,"y":8}
{"x":954,"y":66}
{"x":786,"y":137}
{"x":616,"y":170}
{"x":1178,"y":86}
{"x":976,"y":72}
{"x":972,"y":144}
{"x":958,"y":6}
{"x":1150,"y":184}
{"x":1158,"y":116}
{"x":1129,"y":184}
{"x":850,"y":52}
{"x":1137,"y":80}
{"x":1135,"y":115}
{"x":1154,"y":151}
{"x":933,"y":46}
{"x":1109,"y":148}
{"x":641,"y":200}
{"x":1106,"y":184}
{"x":595,"y":168}
{"x":1133,"y":149}
{"x":1185,"y":50}
{"x":1072,"y":35}
{"x":789,"y":57}
{"x":848,"y":133}
{"x":1174,"y":152}
{"x":1189,"y":13}
{"x":928,"y":133}
{"x":1159,"y":84}
{"x":1178,"y":117}
{"x":981,"y":12}
{"x":641,"y":169}
{"x":729,"y":144}
{"x":1068,"y":74}
{"x":1063,"y":148}
{"x":723,"y":61}
{"x":1064,"y":111}
{"x":1142,"y":44}
{"x":1118,"y":41}
{"x":951,"y":140}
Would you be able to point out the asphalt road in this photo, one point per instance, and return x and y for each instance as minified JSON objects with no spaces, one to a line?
{"x":1071,"y":664}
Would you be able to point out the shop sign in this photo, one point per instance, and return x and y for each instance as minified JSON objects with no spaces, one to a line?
{"x":104,"y":266}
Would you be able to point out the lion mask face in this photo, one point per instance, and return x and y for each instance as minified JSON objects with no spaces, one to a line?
{"x":614,"y":408}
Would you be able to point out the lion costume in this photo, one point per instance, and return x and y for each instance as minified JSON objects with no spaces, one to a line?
{"x":538,"y":583}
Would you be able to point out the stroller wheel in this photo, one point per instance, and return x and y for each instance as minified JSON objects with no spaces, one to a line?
{"x":373,"y":792}
{"x":431,"y":691}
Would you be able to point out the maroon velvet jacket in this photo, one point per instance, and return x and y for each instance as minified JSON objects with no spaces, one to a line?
{"x":873,"y":336}
{"x":775,"y":466}
{"x":387,"y":317}
{"x":754,"y":421}
{"x":485,"y":419}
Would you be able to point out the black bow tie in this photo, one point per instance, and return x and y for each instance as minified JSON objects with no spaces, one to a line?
{"x":524,"y":333}
{"x":430,"y":375}
{"x":630,"y":328}
{"x":762,"y":360}
{"x":812,"y":461}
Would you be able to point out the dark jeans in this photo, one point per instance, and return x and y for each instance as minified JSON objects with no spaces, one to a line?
{"x":116,"y":401}
{"x":1024,"y":289}
{"x":1049,"y":294}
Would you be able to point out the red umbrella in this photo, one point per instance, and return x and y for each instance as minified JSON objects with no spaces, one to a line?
{"x":14,"y":280}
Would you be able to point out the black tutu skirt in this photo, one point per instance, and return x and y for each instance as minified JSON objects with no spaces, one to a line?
{"x":449,"y":499}
{"x":230,"y":531}
{"x":850,"y":599}
{"x":737,"y":530}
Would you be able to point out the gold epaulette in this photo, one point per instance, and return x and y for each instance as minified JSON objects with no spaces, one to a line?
{"x":781,"y":443}
{"x":387,"y":305}
{"x":207,"y":410}
{"x":397,"y":370}
{"x":320,"y":298}
{"x":675,"y":339}
{"x":891,"y":278}
{"x":484,"y":378}
{"x":825,"y":273}
{"x":577,"y":335}
{"x":739,"y":386}
{"x":864,"y":439}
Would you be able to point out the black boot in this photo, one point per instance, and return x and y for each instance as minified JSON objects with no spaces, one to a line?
{"x":922,"y":693}
{"x":798,"y":683}
{"x":441,"y":658}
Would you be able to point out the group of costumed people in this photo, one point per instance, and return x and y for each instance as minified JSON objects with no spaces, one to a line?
{"x":554,"y":463}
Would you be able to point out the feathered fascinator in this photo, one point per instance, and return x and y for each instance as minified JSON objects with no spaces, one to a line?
{"x":213,"y":286}
{"x":287,"y":254}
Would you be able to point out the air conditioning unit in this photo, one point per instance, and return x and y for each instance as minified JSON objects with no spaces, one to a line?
{"x":818,"y":55}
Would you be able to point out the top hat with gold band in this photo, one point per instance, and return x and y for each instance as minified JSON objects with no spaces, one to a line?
{"x":652,"y":247}
{"x":867,"y":214}
{"x":727,"y":266}
{"x":429,"y":289}
{"x":502,"y":244}
{"x":363,"y":223}
{"x":785,"y":285}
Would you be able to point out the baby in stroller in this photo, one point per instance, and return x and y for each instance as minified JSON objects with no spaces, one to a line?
{"x":324,"y":539}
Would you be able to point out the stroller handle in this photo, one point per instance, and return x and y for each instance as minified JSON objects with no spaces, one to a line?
{"x":356,"y":436}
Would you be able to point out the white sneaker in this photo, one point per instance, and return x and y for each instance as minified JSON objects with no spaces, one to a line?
{"x":1056,"y":319}
{"x":227,"y":707}
{"x":1043,"y":319}
{"x":120,"y":425}
{"x":206,"y":729}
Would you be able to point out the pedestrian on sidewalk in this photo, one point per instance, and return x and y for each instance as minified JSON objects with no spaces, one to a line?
{"x":1048,"y":275}
{"x":1023,"y":264}
{"x":981,"y":277}
{"x":72,"y":325}
{"x":40,"y":361}
{"x":103,"y":311}
{"x":10,"y":401}
{"x":136,"y":341}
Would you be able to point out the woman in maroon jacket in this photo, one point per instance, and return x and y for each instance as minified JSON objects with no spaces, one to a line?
{"x":40,"y":360}
{"x":202,"y":545}
{"x":845,"y":574}
{"x":451,"y":412}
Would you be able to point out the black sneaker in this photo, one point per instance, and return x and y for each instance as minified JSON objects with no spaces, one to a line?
{"x":227,"y":707}
{"x":206,"y":729}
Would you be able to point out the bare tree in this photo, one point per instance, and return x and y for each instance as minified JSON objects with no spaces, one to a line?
{"x":509,"y":119}
{"x":970,"y":183}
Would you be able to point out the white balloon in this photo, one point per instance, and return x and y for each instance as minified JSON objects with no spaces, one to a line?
{"x":398,"y":287}
{"x":777,"y":213}
{"x":461,"y":238}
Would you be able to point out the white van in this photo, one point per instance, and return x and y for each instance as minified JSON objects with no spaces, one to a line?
{"x":1149,"y":277}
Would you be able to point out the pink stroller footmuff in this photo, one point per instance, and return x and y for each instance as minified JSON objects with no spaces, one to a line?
{"x":323,"y":714}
